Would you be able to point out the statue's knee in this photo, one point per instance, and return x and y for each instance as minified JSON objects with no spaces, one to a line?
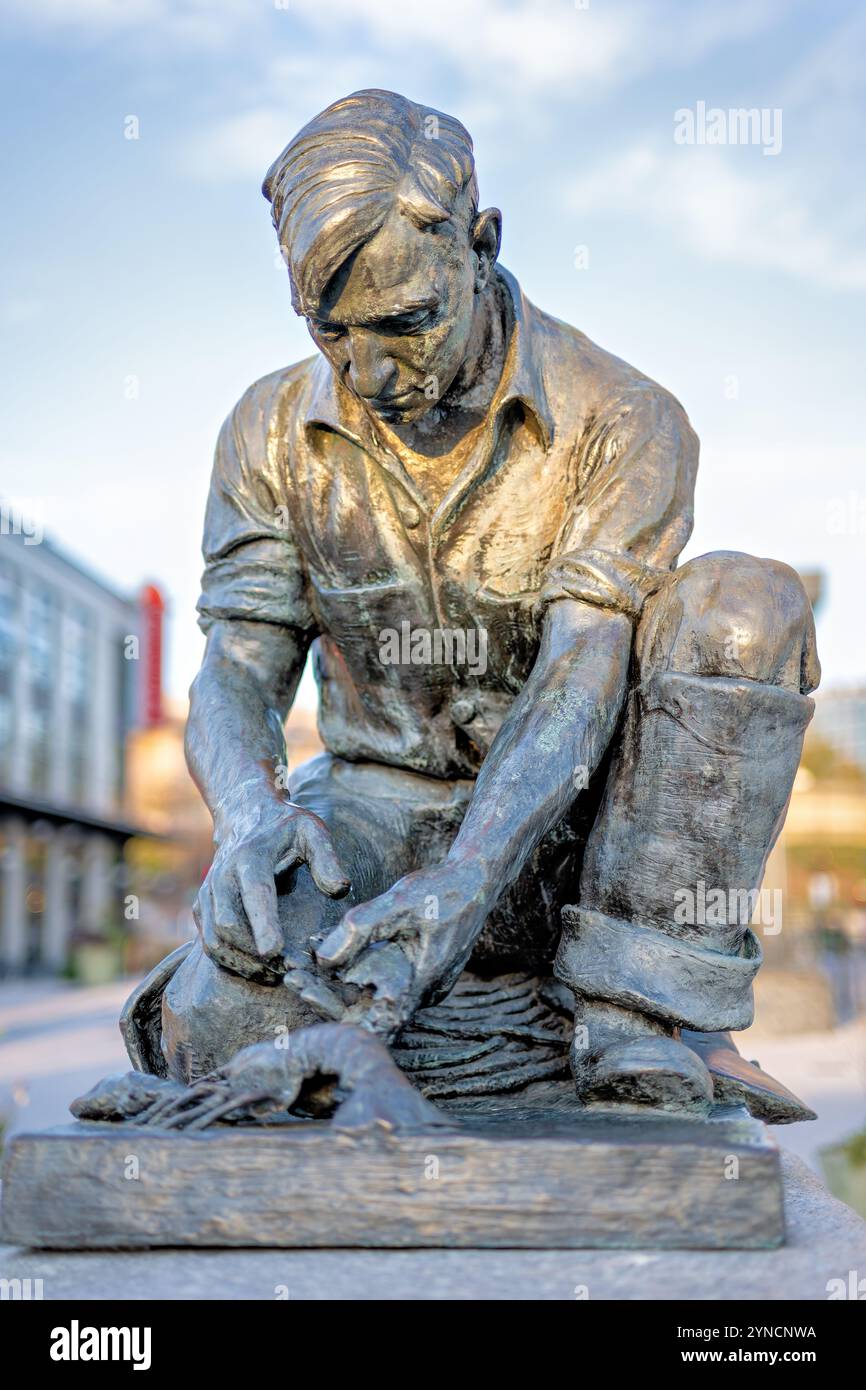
{"x":728,"y":614}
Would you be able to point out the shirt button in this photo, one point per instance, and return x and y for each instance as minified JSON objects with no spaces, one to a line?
{"x":463,"y":711}
{"x":411,"y":517}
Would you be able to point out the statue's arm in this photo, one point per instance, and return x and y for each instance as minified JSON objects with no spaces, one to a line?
{"x":237,"y":756}
{"x":554,"y":737}
{"x":238,"y":703}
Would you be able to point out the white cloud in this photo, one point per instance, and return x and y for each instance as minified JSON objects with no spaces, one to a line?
{"x":87,"y":14}
{"x":553,"y":48}
{"x":547,"y":47}
{"x":172,"y":23}
{"x":243,"y":145}
{"x":754,"y":215}
{"x":533,"y":41}
{"x":239,"y":147}
{"x":542,"y":44}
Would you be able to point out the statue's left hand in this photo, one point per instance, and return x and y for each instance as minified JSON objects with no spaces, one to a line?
{"x":431,"y":918}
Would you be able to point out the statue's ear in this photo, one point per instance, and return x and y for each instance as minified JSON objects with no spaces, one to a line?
{"x":486,"y":237}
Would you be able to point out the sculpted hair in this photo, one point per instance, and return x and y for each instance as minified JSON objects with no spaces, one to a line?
{"x":335,"y":183}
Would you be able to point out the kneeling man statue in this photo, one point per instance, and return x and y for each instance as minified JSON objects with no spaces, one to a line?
{"x":555,"y":763}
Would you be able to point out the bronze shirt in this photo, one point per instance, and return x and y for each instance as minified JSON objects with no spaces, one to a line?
{"x":580,"y":485}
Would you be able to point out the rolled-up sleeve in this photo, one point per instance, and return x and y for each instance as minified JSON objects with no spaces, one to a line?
{"x":633,"y":508}
{"x":253,"y":567}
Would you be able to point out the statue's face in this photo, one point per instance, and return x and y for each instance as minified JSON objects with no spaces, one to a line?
{"x":395,"y":322}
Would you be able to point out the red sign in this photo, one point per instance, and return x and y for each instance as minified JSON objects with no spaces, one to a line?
{"x":152,"y":610}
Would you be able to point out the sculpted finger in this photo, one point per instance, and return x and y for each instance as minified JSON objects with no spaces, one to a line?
{"x":390,"y":974}
{"x":321,"y":857}
{"x":218,"y":930}
{"x":204,"y":913}
{"x":259,"y":897}
{"x":346,"y":940}
{"x":315,"y":993}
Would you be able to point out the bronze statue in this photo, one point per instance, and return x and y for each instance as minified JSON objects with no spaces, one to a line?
{"x":543,"y":740}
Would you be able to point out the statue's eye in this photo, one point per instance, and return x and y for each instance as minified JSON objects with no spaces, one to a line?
{"x":416,"y":321}
{"x":329,"y":331}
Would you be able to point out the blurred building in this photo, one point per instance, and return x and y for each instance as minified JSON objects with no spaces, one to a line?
{"x":76,"y":674}
{"x":840,"y":722}
{"x":814,"y":975}
{"x":166,"y":870}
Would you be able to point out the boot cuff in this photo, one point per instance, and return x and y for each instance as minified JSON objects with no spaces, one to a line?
{"x":638,"y":967}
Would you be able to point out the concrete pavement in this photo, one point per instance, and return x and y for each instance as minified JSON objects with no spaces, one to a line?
{"x":56,"y":1041}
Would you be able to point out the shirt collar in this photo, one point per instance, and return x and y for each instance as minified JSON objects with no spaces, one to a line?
{"x":333,"y":406}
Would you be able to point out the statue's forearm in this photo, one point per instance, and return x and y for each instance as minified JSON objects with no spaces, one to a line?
{"x":555,"y":735}
{"x":234,"y":739}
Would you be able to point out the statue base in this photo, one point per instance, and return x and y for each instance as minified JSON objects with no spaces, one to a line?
{"x":514,"y":1172}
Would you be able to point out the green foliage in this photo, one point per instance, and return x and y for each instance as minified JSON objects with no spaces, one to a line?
{"x":826,"y":765}
{"x":855,"y":1149}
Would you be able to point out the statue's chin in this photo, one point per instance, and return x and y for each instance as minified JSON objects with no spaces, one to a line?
{"x":401,"y":414}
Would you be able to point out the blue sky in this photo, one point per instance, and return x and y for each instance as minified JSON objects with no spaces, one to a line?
{"x":142,"y":291}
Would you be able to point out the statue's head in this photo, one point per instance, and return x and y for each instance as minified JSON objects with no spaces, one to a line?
{"x":375,"y":203}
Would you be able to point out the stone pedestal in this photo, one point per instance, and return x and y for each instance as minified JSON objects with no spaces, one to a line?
{"x":500,"y":1177}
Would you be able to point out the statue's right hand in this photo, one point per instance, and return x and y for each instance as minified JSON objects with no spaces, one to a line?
{"x":236,"y":908}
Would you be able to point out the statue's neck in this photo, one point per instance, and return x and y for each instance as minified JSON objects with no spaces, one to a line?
{"x":468,"y":398}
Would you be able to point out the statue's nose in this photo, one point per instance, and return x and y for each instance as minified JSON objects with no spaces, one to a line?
{"x":370,"y":368}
